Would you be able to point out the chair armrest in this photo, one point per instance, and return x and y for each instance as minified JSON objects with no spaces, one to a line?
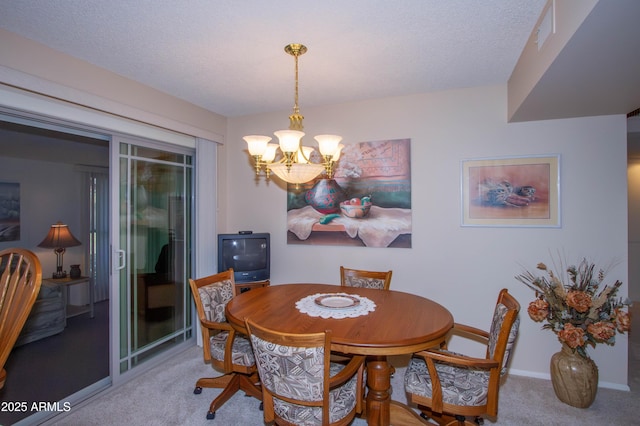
{"x":211,"y":325}
{"x":432,"y":355}
{"x":209,"y":329}
{"x":467,"y":329}
{"x":355,"y":363}
{"x":458,"y":360}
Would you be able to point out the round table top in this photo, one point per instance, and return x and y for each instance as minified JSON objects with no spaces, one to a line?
{"x":401,"y":323}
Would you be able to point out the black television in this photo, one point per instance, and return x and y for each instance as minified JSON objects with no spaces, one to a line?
{"x":247,"y":253}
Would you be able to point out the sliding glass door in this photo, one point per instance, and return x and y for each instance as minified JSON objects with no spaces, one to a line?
{"x":152,"y":260}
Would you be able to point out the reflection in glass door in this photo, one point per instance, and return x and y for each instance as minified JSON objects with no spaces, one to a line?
{"x":154,"y":252}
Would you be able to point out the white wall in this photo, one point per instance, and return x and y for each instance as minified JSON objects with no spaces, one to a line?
{"x":49,"y":192}
{"x":461,"y":268}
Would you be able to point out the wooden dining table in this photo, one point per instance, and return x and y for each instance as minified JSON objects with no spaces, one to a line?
{"x":401,"y":323}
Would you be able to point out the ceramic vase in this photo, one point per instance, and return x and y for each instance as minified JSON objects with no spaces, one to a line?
{"x":75,"y":272}
{"x":574,"y":378}
{"x":325,"y":196}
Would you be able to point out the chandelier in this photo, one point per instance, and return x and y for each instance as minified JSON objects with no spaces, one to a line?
{"x":294,"y":164}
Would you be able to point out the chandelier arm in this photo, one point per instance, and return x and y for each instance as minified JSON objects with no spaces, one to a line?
{"x":328,"y":166}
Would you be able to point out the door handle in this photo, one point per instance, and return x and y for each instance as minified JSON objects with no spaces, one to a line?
{"x":122,"y":260}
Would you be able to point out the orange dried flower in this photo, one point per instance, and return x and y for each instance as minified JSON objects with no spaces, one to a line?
{"x":538,"y":310}
{"x":623,"y":320}
{"x":602,"y":331}
{"x":579,"y":300}
{"x":572,"y":336}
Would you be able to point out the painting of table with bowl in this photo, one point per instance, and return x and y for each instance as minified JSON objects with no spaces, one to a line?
{"x":356,"y":207}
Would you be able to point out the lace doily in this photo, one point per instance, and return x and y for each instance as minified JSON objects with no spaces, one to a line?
{"x":335,"y":305}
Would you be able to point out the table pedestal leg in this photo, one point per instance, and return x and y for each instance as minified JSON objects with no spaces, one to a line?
{"x":379,"y":392}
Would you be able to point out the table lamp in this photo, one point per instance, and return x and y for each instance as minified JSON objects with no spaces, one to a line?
{"x":59,"y":238}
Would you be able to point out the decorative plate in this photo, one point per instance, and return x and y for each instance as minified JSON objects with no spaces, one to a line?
{"x":337,"y":301}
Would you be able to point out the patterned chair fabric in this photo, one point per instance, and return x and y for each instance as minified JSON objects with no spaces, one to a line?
{"x":299,"y":373}
{"x":496,"y":325}
{"x":214,"y":299}
{"x":364,"y":282}
{"x":241,"y":352}
{"x":365,"y":279}
{"x":462,"y":386}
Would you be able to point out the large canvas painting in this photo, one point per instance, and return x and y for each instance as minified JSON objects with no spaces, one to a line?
{"x":368,"y":203}
{"x":9,"y":211}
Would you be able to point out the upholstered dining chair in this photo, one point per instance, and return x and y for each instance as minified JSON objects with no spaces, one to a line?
{"x":447,"y":387}
{"x":300,"y":386}
{"x":366,"y":279}
{"x":226,"y":350}
{"x":20,"y":280}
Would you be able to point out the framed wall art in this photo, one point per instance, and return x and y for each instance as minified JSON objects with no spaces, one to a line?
{"x":375,"y":179}
{"x":9,"y":211}
{"x":511,"y":191}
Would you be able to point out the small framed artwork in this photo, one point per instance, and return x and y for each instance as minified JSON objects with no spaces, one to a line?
{"x":9,"y":211}
{"x":511,"y":191}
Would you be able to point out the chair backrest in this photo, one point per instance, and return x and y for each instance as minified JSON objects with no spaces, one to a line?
{"x":293,"y":368}
{"x":365,"y":279}
{"x":504,"y":329}
{"x":20,"y":280}
{"x":211,"y":295}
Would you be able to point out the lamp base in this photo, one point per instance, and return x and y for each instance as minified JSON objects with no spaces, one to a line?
{"x":58,"y":275}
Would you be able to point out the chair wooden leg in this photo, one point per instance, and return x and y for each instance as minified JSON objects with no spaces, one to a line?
{"x":213,"y":382}
{"x":227,"y":392}
{"x":250,"y":385}
{"x":444,"y":419}
{"x":231,"y":383}
{"x":3,"y":377}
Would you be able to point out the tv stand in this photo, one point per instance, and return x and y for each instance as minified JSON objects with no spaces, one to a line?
{"x":242,"y":287}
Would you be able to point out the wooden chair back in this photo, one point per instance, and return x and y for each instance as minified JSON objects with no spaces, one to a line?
{"x":307,"y":357}
{"x":502,"y":332}
{"x":222,"y":347}
{"x":211,"y":316}
{"x":20,"y":280}
{"x":499,"y":339}
{"x":368,"y":279}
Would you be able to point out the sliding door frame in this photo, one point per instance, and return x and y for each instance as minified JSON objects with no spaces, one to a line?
{"x":29,"y":106}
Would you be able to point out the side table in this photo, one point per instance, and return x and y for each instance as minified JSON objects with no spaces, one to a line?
{"x":64,"y":283}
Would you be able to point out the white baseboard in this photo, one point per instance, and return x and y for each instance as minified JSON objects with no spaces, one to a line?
{"x":544,"y":376}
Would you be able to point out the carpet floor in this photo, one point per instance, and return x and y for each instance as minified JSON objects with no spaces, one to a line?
{"x":164,"y":396}
{"x":57,"y":366}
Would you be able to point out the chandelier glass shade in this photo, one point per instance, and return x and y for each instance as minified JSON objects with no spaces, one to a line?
{"x":293,"y":164}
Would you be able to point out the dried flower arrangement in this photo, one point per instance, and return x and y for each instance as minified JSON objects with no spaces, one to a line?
{"x":576,"y":308}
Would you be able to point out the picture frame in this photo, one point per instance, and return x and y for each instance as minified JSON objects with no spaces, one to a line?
{"x":511,"y":191}
{"x":9,"y":211}
{"x":379,"y":171}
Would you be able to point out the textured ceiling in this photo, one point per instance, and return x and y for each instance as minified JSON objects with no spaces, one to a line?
{"x":228,"y":57}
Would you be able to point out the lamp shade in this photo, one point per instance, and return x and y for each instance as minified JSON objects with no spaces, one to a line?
{"x":298,"y":173}
{"x":59,"y":236}
{"x":328,"y":143}
{"x":257,"y":143}
{"x":304,"y":154}
{"x":270,"y":153}
{"x":289,"y":139}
